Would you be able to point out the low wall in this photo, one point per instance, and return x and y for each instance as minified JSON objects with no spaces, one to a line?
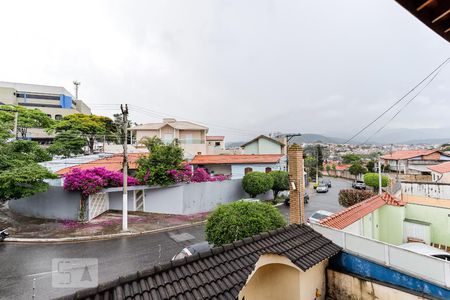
{"x":53,"y":204}
{"x":426,"y":189}
{"x":345,"y":286}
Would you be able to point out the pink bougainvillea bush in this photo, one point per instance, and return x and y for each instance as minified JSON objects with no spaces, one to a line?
{"x":91,"y":181}
{"x":199,"y":175}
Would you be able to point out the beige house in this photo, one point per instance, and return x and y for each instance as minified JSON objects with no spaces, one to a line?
{"x":264,"y":145}
{"x":192,"y":137}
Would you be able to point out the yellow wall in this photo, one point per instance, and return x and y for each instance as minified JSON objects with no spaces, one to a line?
{"x":276,"y":277}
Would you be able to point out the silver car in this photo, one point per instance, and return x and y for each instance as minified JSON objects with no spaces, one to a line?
{"x":322,"y":188}
{"x":319,"y":215}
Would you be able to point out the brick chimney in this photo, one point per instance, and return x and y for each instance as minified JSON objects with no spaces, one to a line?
{"x":296,"y":185}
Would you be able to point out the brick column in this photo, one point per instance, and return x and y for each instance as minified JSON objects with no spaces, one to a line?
{"x":296,"y":191}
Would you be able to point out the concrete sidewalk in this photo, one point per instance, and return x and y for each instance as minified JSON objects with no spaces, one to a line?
{"x":106,"y":226}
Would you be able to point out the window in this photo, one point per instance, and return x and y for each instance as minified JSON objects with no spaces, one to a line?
{"x":49,"y":115}
{"x":248,"y":170}
{"x":268,"y":169}
{"x":58,"y":117}
{"x":217,"y":144}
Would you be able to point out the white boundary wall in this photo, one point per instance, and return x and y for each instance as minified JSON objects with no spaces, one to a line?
{"x":425,"y":267}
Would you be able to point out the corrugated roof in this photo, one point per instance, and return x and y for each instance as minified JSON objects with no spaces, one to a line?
{"x":112,"y":163}
{"x":219,"y":273}
{"x":215,"y":138}
{"x":36,"y":88}
{"x":183,"y":125}
{"x":406,"y":154}
{"x":441,"y":168}
{"x":355,"y":212}
{"x":236,"y":159}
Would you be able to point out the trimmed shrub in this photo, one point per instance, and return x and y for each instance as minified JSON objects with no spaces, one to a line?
{"x":255,"y":183}
{"x":280,"y":182}
{"x":350,"y":197}
{"x":371,"y":179}
{"x":240,"y":219}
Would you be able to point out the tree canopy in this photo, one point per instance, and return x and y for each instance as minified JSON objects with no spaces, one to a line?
{"x":280,"y":182}
{"x":20,"y":175}
{"x":88,"y":126}
{"x":371,"y":179}
{"x":67,"y":143}
{"x":351,"y":158}
{"x":255,"y":183}
{"x":357,"y":168}
{"x":27,"y":118}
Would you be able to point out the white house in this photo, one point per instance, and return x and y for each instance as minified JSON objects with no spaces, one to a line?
{"x":440,"y":173}
{"x":264,"y":145}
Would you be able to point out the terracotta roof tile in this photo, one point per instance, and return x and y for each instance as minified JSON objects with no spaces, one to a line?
{"x":222,"y":273}
{"x":236,"y":159}
{"x":355,"y":212}
{"x":441,"y":168}
{"x":406,"y":154}
{"x":112,"y":163}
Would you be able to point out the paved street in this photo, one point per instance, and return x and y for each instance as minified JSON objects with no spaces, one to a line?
{"x":20,"y":263}
{"x":322,"y":201}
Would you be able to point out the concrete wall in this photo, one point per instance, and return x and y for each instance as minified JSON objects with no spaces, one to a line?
{"x":391,"y":224}
{"x":238,"y":171}
{"x":53,"y":204}
{"x":345,"y":286}
{"x":426,"y":189}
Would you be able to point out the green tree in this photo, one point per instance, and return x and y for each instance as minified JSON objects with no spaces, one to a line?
{"x":240,"y":219}
{"x":67,"y":143}
{"x":255,"y":183}
{"x":311,"y":166}
{"x":153,"y":169}
{"x":27,"y":118}
{"x":357,"y":169}
{"x":20,"y":175}
{"x":90,"y":127}
{"x":351,"y":158}
{"x":118,"y":128}
{"x":280,"y":182}
{"x":371,"y":179}
{"x":370,"y":165}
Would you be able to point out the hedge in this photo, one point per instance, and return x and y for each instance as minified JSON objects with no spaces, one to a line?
{"x":350,"y":197}
{"x":255,"y":183}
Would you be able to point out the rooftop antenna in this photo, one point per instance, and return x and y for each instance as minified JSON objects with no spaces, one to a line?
{"x":76,"y":84}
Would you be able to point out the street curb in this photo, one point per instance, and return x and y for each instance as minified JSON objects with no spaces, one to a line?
{"x":99,"y":237}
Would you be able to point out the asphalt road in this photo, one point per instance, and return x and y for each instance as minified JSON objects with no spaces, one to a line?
{"x":322,"y":201}
{"x":21,"y":263}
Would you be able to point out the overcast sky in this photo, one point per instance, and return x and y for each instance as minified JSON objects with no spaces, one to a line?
{"x":240,"y":67}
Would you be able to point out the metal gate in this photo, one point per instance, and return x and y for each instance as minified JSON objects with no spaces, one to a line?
{"x":139,"y":200}
{"x":98,"y":204}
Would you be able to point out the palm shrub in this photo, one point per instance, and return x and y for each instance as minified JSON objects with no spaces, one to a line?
{"x":240,"y":219}
{"x":280,"y":182}
{"x":255,"y":183}
{"x":350,"y":197}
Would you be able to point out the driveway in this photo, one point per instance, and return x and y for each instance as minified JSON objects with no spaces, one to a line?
{"x":322,"y":201}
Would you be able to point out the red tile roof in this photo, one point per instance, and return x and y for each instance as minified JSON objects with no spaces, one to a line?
{"x":112,"y":163}
{"x":343,"y":167}
{"x":441,"y":168}
{"x":236,"y":159}
{"x":406,"y":154}
{"x":215,"y":137}
{"x":355,"y":212}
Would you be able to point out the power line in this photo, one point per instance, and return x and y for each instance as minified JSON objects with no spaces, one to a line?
{"x":403,"y":107}
{"x":398,"y":101}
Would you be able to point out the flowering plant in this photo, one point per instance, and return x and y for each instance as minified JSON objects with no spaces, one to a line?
{"x":199,"y":175}
{"x":91,"y":181}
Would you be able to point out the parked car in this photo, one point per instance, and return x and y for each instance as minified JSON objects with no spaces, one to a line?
{"x":326,"y":181}
{"x":192,"y":250}
{"x":426,"y":250}
{"x":359,"y":185}
{"x":287,"y":201}
{"x":322,"y":188}
{"x":318,"y":215}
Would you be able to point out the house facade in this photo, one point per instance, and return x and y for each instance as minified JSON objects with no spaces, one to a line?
{"x":264,"y":145}
{"x":440,"y":173}
{"x":414,"y":161}
{"x":237,"y":165}
{"x":191,"y":136}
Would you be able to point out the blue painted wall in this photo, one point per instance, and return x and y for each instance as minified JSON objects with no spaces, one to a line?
{"x":65,"y":101}
{"x":346,"y":262}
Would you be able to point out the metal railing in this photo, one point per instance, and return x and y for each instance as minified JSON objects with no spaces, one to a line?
{"x":425,"y":267}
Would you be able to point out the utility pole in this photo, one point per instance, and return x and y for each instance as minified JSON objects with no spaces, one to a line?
{"x":289,"y":136}
{"x":124,"y":110}
{"x":16,"y":120}
{"x":379,"y":176}
{"x":77,"y":84}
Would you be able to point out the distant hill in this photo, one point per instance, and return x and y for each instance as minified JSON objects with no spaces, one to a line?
{"x":304,"y":138}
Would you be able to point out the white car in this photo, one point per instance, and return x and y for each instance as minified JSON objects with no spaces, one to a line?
{"x":319,"y":215}
{"x":322,"y":188}
{"x":426,"y":250}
